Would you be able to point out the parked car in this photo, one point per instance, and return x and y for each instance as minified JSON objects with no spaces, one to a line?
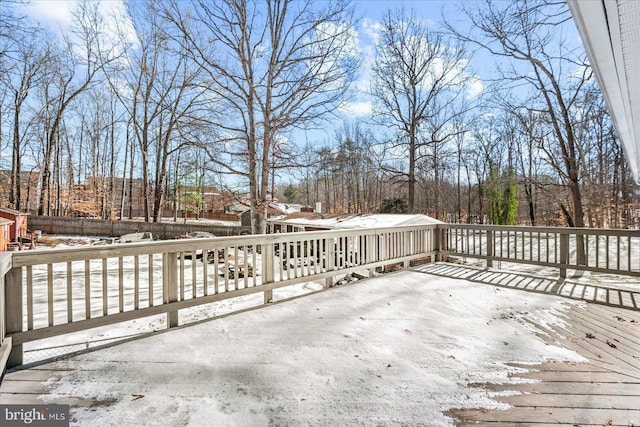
{"x":105,"y":241}
{"x":199,"y":235}
{"x":137,"y":237}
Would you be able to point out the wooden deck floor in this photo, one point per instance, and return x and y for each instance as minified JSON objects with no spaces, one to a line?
{"x":603,"y":391}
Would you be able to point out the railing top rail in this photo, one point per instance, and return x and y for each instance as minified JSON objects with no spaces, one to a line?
{"x":558,"y":230}
{"x":26,"y":258}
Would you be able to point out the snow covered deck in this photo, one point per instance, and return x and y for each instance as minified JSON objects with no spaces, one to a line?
{"x":436,"y":345}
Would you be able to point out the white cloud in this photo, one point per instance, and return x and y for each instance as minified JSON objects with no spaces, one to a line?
{"x":53,"y":14}
{"x":474,"y":88}
{"x":371,"y":29}
{"x":57,"y":15}
{"x":356,"y":108}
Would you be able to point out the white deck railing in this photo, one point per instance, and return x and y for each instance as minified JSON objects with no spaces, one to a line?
{"x":55,"y":292}
{"x":604,"y":251}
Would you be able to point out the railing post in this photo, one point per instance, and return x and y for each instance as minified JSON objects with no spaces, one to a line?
{"x":268,"y":269}
{"x":170,"y":285}
{"x":436,"y":239}
{"x":331,"y":258}
{"x":489,"y":248}
{"x":14,"y":313}
{"x":564,"y":254}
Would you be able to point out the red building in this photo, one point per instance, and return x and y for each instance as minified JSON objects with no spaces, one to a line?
{"x":19,"y":221}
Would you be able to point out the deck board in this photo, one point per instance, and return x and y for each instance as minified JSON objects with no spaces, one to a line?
{"x":569,"y":387}
{"x":555,"y":416}
{"x":603,"y":391}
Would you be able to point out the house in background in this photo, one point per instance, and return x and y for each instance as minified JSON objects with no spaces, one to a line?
{"x":5,"y":226}
{"x":313,"y":221}
{"x":18,"y":228}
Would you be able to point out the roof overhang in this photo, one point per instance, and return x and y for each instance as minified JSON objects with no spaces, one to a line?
{"x":610,"y":31}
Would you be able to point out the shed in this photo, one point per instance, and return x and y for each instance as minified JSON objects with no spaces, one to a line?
{"x":18,"y":229}
{"x":5,"y":226}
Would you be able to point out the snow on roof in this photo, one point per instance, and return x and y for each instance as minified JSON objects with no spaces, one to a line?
{"x":285,"y":208}
{"x":14,"y":212}
{"x":387,"y":220}
{"x":349,"y":221}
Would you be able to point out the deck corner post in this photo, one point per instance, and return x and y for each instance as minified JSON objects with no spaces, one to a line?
{"x":564,"y":254}
{"x":14,"y":313}
{"x":490,"y":252}
{"x":170,"y":285}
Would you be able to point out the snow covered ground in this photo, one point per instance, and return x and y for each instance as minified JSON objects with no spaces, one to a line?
{"x":398,"y":349}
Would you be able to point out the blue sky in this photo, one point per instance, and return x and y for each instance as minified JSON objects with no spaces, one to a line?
{"x":56,"y":16}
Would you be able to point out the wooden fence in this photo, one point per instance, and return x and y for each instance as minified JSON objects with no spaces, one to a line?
{"x":68,"y":290}
{"x":108,"y":228}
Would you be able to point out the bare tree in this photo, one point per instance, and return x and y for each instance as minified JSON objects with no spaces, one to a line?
{"x":156,"y":84}
{"x":29,"y":61}
{"x":273,"y":66}
{"x":81,"y":54}
{"x":416,"y":75}
{"x":526,"y":32}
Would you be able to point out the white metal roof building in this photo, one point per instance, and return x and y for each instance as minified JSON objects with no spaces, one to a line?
{"x":610,"y":31}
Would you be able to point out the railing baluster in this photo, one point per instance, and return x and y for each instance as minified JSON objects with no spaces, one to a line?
{"x":205,"y":271}
{"x":105,"y":288}
{"x":150,"y":280}
{"x":227,"y":256}
{"x":30,"y":307}
{"x":245,"y":261}
{"x":87,"y":289}
{"x":121,"y":284}
{"x":182,"y":278}
{"x":297,"y":258}
{"x":466,"y":236}
{"x":69,"y":292}
{"x":628,"y":253}
{"x":136,"y":281}
{"x":194,"y":274}
{"x":50,"y":292}
{"x":216,"y":272}
{"x":474,"y":242}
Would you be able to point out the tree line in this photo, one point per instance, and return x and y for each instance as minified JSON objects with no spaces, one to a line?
{"x":180,"y":94}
